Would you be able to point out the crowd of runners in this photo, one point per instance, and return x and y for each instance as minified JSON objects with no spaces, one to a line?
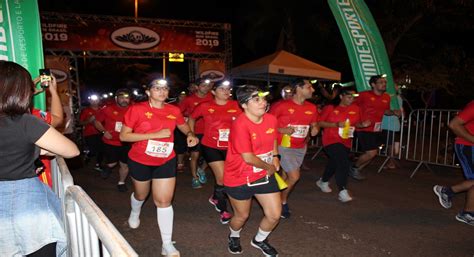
{"x":244,"y":142}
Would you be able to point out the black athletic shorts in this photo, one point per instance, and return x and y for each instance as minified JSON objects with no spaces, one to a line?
{"x":369,"y":140}
{"x":180,"y":144}
{"x":114,"y":153}
{"x":142,"y":172}
{"x":212,"y":154}
{"x":245,"y":192}
{"x":196,"y":148}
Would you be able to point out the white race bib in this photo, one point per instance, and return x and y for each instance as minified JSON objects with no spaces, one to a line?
{"x":301,"y":131}
{"x":224,"y":135}
{"x":378,"y":126}
{"x":159,"y":149}
{"x":266,"y":157}
{"x":350,"y":133}
{"x":118,"y":126}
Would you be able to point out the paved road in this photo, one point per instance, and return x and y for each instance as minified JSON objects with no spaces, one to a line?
{"x":391,"y":215}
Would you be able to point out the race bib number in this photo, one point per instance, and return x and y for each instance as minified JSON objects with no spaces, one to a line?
{"x":159,"y":149}
{"x":378,"y":126}
{"x":266,"y":157}
{"x":118,"y":126}
{"x":350,"y":132}
{"x":224,"y":135}
{"x":301,"y":131}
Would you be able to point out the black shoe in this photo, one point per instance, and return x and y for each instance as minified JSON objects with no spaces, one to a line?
{"x":355,"y":174}
{"x":122,"y":187}
{"x":285,"y":211}
{"x":105,"y":172}
{"x":265,"y":247}
{"x":234,"y":245}
{"x":98,"y":168}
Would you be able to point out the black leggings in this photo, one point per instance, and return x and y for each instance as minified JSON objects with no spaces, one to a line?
{"x":220,"y":196}
{"x":339,"y":163}
{"x":48,"y":250}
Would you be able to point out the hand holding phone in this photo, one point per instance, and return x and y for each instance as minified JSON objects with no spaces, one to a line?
{"x":45,"y":77}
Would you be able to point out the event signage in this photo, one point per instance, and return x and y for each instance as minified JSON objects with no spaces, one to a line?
{"x":110,"y":36}
{"x":20,"y":37}
{"x":364,"y":44}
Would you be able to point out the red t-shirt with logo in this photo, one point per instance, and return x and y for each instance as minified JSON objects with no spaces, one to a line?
{"x":188,"y":105}
{"x":336,"y":114}
{"x":143,"y":119}
{"x":111,"y":117}
{"x":217,"y":122}
{"x":372,"y":107}
{"x":44,"y":176}
{"x":467,"y":115}
{"x":249,"y":137}
{"x":89,"y":128}
{"x":289,"y":113}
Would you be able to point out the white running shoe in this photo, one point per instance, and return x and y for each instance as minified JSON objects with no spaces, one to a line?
{"x":134,"y":220}
{"x":344,"y":196}
{"x":324,"y":186}
{"x":169,"y":250}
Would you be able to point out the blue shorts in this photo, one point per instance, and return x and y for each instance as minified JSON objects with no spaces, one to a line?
{"x":465,"y":154}
{"x":30,"y":218}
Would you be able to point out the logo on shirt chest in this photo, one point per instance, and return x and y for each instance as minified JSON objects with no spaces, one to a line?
{"x":291,"y":110}
{"x":336,"y":112}
{"x":148,"y":115}
{"x":352,"y":113}
{"x":372,"y":98}
{"x":254,"y":136}
{"x":232,"y":110}
{"x":384,"y":101}
{"x":210,"y":110}
{"x":308,"y":112}
{"x":270,"y":131}
{"x":171,"y":117}
{"x":115,"y":112}
{"x":196,"y":103}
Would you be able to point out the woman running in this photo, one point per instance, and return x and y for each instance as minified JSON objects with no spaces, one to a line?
{"x":218,"y":116}
{"x":252,"y":158}
{"x":152,"y":161}
{"x":339,"y":121}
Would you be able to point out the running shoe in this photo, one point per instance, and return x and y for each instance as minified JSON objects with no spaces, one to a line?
{"x":195,"y":184}
{"x":122,"y":187}
{"x":225,"y":217}
{"x":234,"y":245}
{"x":444,"y":199}
{"x":169,"y":250}
{"x":202,"y":176}
{"x":355,"y":174}
{"x":105,"y":173}
{"x":285,"y":211}
{"x":324,"y":186}
{"x":214,"y":202}
{"x":134,"y":220}
{"x":344,"y":196}
{"x":265,"y":247}
{"x":466,"y":217}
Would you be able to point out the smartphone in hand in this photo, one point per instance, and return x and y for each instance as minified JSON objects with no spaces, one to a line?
{"x":45,"y":77}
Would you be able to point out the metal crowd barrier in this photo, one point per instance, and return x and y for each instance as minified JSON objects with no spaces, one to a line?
{"x":429,"y":139}
{"x":89,"y":231}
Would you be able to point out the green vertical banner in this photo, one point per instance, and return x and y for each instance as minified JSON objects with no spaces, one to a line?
{"x":20,"y":38}
{"x":364,"y":44}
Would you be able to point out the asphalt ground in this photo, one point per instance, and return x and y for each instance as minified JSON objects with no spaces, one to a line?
{"x":391,"y":215}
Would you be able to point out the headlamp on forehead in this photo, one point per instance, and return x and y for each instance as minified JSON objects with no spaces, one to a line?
{"x":313,"y":81}
{"x":383,"y":75}
{"x":93,"y":98}
{"x":123,"y":95}
{"x":105,"y":95}
{"x":260,"y":94}
{"x":226,"y":83}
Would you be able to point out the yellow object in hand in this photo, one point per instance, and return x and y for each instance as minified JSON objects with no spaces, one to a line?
{"x":281,"y":183}
{"x":286,"y":140}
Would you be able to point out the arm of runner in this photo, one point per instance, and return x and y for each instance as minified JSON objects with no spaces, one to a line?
{"x":326,"y":124}
{"x":57,"y":113}
{"x":127,"y":135}
{"x":191,"y":139}
{"x":191,"y":123}
{"x":363,"y":124}
{"x":457,"y":126}
{"x":314,"y":129}
{"x":276,"y":160}
{"x":253,"y":160}
{"x":287,"y":130}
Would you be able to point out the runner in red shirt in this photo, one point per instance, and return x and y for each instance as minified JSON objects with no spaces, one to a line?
{"x":109,"y":122}
{"x":297,"y":119}
{"x":339,"y":121}
{"x":218,"y":116}
{"x":92,"y":137}
{"x":463,"y":126}
{"x":250,"y":163}
{"x":373,"y":105}
{"x":201,"y":95}
{"x":149,"y":126}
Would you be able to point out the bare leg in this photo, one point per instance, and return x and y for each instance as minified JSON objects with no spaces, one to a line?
{"x":292,"y":179}
{"x":241,"y":212}
{"x":469,"y":206}
{"x":193,"y":163}
{"x":365,"y":159}
{"x":123,"y":171}
{"x":271,"y":205}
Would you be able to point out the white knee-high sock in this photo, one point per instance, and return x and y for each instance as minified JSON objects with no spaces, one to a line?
{"x":261,"y":235}
{"x":165,"y":222}
{"x":136,"y":204}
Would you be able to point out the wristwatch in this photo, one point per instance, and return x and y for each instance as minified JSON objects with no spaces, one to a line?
{"x":277,"y":156}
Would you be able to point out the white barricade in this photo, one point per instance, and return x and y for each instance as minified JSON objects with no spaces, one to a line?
{"x":429,"y":139}
{"x":89,"y":231}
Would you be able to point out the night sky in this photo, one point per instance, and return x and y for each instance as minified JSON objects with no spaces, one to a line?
{"x":437,"y":40}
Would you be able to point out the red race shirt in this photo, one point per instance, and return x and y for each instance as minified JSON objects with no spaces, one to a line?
{"x":289,"y":113}
{"x":336,"y":114}
{"x":248,"y":137}
{"x":467,"y":115}
{"x":142,"y":119}
{"x":188,"y":105}
{"x":217,"y":122}
{"x":89,"y":128}
{"x":44,"y":176}
{"x":111,"y":117}
{"x":372,"y":107}
{"x":46,"y":116}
